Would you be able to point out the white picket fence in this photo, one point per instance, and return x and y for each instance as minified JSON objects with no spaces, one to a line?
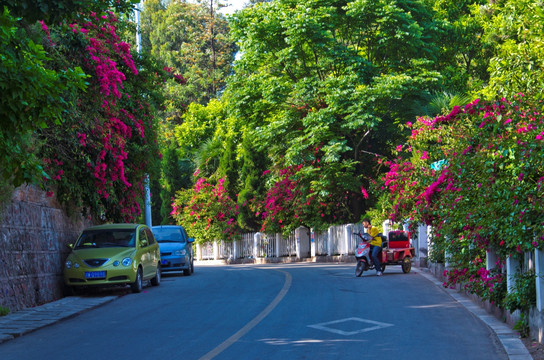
{"x":337,"y":240}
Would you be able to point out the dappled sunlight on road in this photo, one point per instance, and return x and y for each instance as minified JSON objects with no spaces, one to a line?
{"x":302,"y":342}
{"x":434,"y":306}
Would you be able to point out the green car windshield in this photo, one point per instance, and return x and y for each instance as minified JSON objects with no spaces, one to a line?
{"x":106,"y":238}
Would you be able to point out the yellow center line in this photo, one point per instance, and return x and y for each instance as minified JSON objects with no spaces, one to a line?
{"x":250,"y":325}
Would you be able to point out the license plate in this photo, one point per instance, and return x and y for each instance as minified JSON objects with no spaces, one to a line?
{"x":95,"y":274}
{"x":164,"y":262}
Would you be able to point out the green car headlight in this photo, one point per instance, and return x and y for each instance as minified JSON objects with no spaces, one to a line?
{"x":127,"y":261}
{"x":116,"y":263}
{"x":68,"y":264}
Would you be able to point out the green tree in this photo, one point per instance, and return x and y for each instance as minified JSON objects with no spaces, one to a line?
{"x":176,"y":175}
{"x":193,"y":40}
{"x":464,"y":56}
{"x":515,"y":29}
{"x":252,"y":184}
{"x":323,"y":84}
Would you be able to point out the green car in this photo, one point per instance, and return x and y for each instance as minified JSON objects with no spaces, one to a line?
{"x":113,"y":254}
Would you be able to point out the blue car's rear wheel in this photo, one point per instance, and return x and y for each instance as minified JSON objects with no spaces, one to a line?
{"x":156,"y":281}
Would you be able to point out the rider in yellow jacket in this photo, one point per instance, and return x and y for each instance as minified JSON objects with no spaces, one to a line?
{"x":375,"y":244}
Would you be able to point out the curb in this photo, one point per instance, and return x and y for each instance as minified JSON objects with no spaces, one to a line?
{"x":28,"y":320}
{"x":513,"y":346}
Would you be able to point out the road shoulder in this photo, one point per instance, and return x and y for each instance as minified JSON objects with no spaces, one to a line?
{"x":515,"y":348}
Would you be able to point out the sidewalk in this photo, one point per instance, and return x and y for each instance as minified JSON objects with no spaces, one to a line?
{"x":28,"y":320}
{"x":31,"y":319}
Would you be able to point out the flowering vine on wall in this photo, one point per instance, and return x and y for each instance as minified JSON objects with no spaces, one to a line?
{"x":476,"y":176}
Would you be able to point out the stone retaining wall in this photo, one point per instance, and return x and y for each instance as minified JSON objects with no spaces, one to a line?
{"x":34,"y":232}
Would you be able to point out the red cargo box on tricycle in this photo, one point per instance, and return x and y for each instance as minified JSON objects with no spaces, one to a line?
{"x":398,"y":250}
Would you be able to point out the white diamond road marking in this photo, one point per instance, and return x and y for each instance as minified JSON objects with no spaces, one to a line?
{"x":325,"y":327}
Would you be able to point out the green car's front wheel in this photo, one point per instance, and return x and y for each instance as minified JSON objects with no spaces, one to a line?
{"x":137,"y":285}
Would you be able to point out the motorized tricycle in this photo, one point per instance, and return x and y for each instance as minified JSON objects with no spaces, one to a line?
{"x":396,"y":250}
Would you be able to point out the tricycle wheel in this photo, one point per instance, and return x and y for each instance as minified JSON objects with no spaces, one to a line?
{"x":360,"y":268}
{"x":406,"y":264}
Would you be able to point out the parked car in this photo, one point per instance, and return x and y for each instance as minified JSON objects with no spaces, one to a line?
{"x":176,"y":248}
{"x":113,"y":254}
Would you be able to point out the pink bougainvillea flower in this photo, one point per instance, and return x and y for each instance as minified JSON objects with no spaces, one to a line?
{"x":425,"y":156}
{"x":364,"y":192}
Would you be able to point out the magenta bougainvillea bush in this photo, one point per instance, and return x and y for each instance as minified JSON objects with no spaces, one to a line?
{"x":207,"y":211}
{"x":476,"y":175}
{"x":97,"y":160}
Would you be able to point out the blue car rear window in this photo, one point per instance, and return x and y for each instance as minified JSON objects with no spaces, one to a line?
{"x":168,"y":234}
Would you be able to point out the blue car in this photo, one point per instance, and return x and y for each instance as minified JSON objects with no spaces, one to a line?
{"x":176,"y":248}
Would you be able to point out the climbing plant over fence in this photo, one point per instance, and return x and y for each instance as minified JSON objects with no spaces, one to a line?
{"x":476,"y":176}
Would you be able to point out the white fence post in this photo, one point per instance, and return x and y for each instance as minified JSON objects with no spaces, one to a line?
{"x":297,"y":242}
{"x":278,"y":245}
{"x":347,"y":238}
{"x":235,"y":250}
{"x":491,"y":259}
{"x":329,"y":241}
{"x":422,"y":247}
{"x":539,"y":271}
{"x":529,"y":262}
{"x":429,"y":240}
{"x":198,"y":251}
{"x":215,"y":250}
{"x":512,"y":269}
{"x":302,"y":243}
{"x":256,"y":241}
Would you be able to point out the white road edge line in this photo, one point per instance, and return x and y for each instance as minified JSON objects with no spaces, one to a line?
{"x":250,"y":325}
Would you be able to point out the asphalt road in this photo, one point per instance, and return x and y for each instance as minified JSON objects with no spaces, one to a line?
{"x":288,"y":311}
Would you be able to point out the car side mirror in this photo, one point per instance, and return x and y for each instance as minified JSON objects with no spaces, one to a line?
{"x":143,"y":243}
{"x":191,"y":240}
